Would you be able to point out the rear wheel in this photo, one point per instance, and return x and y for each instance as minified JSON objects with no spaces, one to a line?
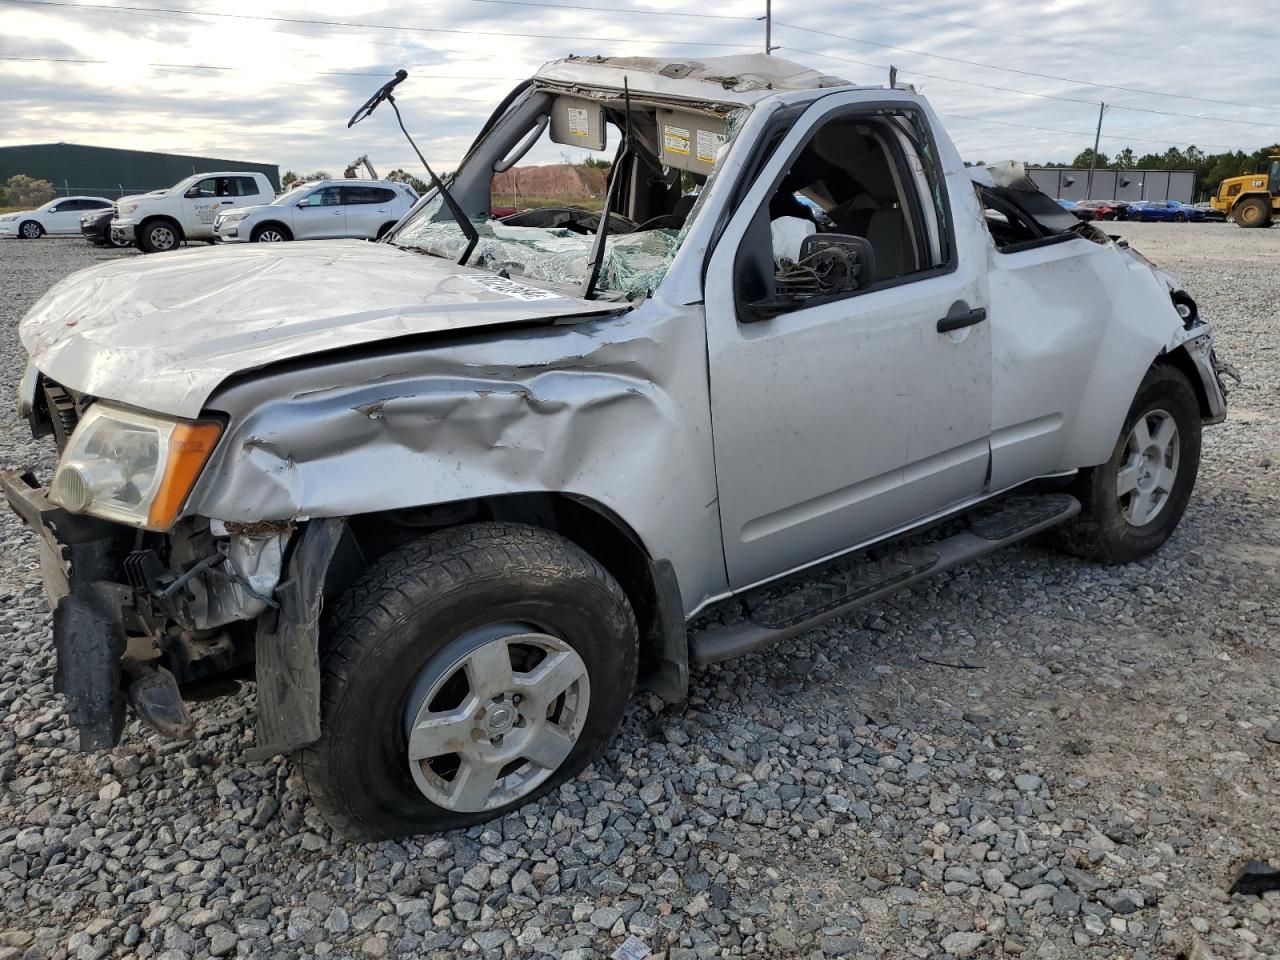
{"x":158,"y":236}
{"x":1253,"y":212}
{"x":1180,"y":217}
{"x":1133,"y":502}
{"x":271,"y":233}
{"x":30,"y":230}
{"x":465,"y":675}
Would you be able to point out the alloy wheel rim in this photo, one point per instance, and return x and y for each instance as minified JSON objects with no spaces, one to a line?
{"x":493,"y":716}
{"x":30,"y":231}
{"x":162,"y":238}
{"x":270,"y":236}
{"x":1145,"y":481}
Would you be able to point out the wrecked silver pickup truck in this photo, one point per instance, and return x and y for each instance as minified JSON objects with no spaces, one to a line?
{"x":450,"y":496}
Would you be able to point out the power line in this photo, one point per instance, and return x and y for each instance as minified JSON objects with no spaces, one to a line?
{"x":1084,"y":133}
{"x":640,"y":13}
{"x":1028,"y":93}
{"x":1127,"y":54}
{"x":1025,"y":73}
{"x":382,"y":75}
{"x":366,"y":25}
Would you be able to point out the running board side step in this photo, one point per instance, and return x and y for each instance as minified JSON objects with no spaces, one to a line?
{"x":777,"y":612}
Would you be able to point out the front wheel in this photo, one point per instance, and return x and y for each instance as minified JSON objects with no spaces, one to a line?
{"x":1253,"y":212}
{"x":1180,"y":217}
{"x":30,"y":230}
{"x":464,"y":675}
{"x":271,"y":233}
{"x":158,"y":236}
{"x":1133,"y":502}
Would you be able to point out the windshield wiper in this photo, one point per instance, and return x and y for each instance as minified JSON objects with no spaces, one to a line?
{"x":625,"y":150}
{"x":384,"y":93}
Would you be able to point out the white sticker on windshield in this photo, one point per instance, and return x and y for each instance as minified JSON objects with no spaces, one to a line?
{"x":508,"y":288}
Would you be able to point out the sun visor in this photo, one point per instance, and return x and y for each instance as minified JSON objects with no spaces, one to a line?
{"x":689,"y":141}
{"x":576,"y":122}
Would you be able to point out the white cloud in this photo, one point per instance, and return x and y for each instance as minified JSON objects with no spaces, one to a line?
{"x":277,"y":105}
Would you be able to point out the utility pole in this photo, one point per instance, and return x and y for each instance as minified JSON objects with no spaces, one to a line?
{"x":768,"y":26}
{"x":1093,"y":160}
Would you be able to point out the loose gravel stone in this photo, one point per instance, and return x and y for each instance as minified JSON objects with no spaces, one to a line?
{"x":1083,"y":788}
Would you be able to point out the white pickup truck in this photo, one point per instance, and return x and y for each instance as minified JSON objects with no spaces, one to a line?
{"x":455,"y":493}
{"x":161,"y":221}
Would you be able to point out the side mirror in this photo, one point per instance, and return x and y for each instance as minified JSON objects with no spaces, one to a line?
{"x":192,"y":192}
{"x":830,"y":265}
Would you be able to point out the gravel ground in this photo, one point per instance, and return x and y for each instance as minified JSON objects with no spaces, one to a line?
{"x":1030,"y":757}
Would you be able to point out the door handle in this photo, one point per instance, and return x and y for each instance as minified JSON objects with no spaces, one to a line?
{"x":961,"y":316}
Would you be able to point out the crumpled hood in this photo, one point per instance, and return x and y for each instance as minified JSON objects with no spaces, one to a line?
{"x":162,"y":332}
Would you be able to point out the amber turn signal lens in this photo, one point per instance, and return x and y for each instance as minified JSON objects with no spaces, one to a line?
{"x":189,"y":448}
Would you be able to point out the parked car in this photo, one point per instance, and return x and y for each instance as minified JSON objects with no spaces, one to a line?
{"x":1170,"y":210}
{"x":1098,"y":210}
{"x":158,"y":222}
{"x":56,"y":218}
{"x":330,"y":209}
{"x":96,"y":227}
{"x":1211,"y":212}
{"x":454,"y":493}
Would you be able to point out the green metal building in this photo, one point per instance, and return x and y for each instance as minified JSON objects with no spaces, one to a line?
{"x":74,"y":168}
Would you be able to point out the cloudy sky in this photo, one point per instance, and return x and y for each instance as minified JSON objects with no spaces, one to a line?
{"x":1012,"y":79}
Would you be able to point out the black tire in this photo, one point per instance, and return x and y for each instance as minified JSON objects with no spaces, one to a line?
{"x":382,"y":230}
{"x":386,"y":629}
{"x":278,"y":232}
{"x":158,"y":236}
{"x":1100,"y":531}
{"x":30,"y":230}
{"x":1253,"y":212}
{"x":1180,"y":217}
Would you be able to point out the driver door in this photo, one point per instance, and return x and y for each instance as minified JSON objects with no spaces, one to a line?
{"x":844,"y":417}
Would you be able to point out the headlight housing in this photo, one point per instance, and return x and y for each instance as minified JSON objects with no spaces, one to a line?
{"x":131,"y":467}
{"x":128,"y":207}
{"x":233,"y":217}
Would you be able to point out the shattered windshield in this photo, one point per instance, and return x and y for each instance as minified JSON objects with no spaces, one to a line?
{"x":634,"y":263}
{"x":645,"y":160}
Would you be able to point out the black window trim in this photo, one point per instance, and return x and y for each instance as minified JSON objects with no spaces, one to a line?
{"x":946,"y":228}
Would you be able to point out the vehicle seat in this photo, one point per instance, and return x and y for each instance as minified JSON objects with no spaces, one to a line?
{"x":885,"y":228}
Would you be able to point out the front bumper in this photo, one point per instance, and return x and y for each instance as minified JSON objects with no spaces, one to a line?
{"x":129,"y":627}
{"x":77,"y":558}
{"x":8,"y":229}
{"x":124,"y":230}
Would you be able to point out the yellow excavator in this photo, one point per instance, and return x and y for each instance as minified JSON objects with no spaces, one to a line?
{"x":1252,"y":200}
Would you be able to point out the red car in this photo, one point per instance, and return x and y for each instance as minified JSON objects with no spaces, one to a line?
{"x":1100,"y":210}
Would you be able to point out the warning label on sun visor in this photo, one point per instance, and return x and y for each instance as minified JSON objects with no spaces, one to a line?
{"x":676,"y":140}
{"x":579,"y":126}
{"x":709,"y":145}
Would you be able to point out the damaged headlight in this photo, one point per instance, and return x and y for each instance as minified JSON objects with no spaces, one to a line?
{"x":132,"y":467}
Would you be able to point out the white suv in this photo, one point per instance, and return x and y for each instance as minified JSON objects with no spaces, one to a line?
{"x":329,"y":209}
{"x":186,"y":211}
